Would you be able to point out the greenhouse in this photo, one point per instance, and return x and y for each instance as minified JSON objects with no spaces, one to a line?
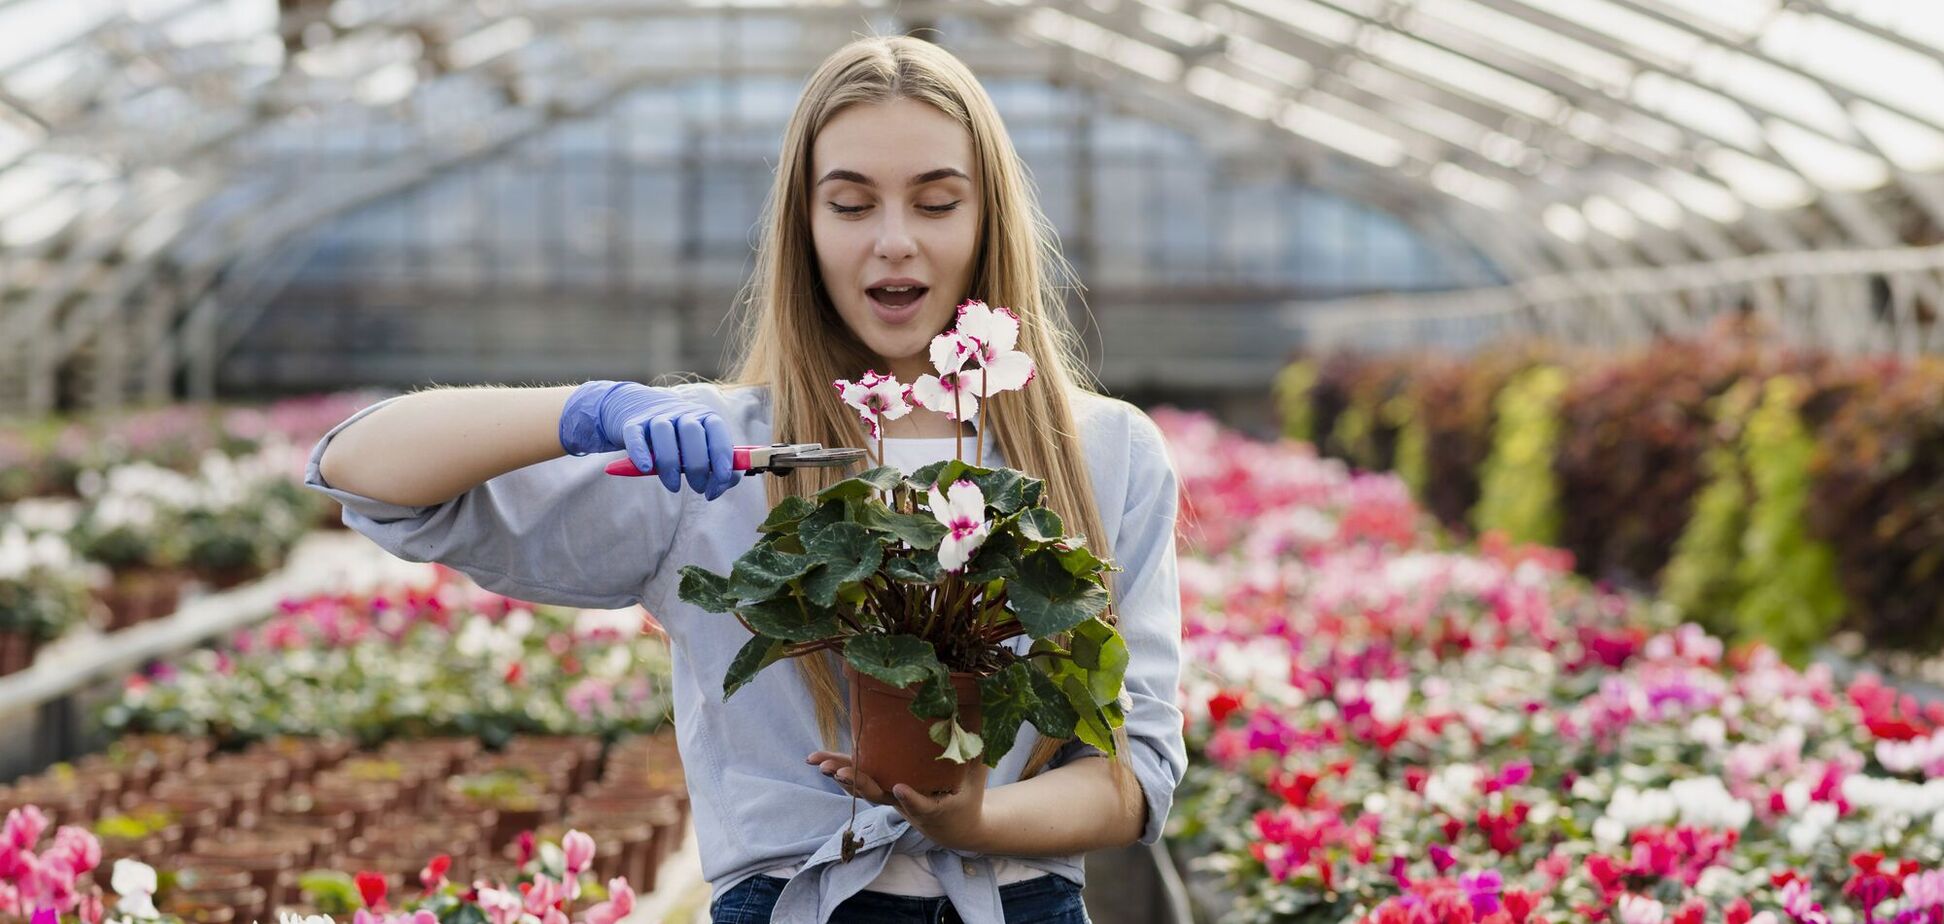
{"x":1128,"y":461}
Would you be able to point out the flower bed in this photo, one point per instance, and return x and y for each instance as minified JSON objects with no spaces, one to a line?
{"x":147,"y":503}
{"x":163,"y":828}
{"x":1383,"y":730}
{"x":1772,"y":493}
{"x":443,"y":659}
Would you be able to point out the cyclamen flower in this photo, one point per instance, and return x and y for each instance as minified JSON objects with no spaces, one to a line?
{"x":963,"y":513}
{"x":994,"y":333}
{"x":501,"y":906}
{"x":1639,"y":909}
{"x":620,"y":904}
{"x":134,"y":884}
{"x":875,"y":398}
{"x":954,"y":390}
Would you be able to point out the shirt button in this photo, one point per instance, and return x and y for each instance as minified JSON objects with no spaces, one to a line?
{"x":970,"y":870}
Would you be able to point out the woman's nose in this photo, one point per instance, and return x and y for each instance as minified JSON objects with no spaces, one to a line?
{"x":894,"y":241}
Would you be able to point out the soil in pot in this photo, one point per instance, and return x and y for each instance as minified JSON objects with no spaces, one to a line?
{"x":893,"y":746}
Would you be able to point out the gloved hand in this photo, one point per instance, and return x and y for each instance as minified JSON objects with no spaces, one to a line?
{"x":660,"y":429}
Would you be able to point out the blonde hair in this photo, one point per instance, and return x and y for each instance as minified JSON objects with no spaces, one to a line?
{"x":792,"y":341}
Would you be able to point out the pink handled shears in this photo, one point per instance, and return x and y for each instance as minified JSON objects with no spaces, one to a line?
{"x":775,"y":459}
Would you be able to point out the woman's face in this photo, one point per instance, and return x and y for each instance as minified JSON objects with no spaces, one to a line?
{"x":894,"y":202}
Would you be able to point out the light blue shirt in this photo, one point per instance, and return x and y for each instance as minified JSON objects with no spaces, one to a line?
{"x":565,"y":532}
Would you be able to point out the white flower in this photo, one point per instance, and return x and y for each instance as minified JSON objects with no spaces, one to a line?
{"x":1639,"y":909}
{"x":134,"y":882}
{"x":1808,"y":830}
{"x":875,"y":397}
{"x":948,"y":392}
{"x":1451,"y":788}
{"x":1705,"y":801}
{"x":994,"y":333}
{"x":963,"y":513}
{"x":289,"y":918}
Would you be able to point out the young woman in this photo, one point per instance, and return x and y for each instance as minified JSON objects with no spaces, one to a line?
{"x":898,"y":195}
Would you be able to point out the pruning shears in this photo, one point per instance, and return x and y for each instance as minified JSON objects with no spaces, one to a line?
{"x":774,"y":459}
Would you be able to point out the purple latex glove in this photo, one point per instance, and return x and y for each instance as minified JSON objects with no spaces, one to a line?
{"x":661,"y":431}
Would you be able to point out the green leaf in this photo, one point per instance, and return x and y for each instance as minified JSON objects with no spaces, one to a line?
{"x":1008,"y":698}
{"x":828,"y":514}
{"x":937,"y":475}
{"x":995,"y":558}
{"x":706,"y":589}
{"x":1102,"y":653}
{"x":845,"y":553}
{"x":920,"y":567}
{"x":1079,"y":560}
{"x":899,"y":660}
{"x":792,"y":619}
{"x":1091,"y":723}
{"x":960,"y":745}
{"x":759,"y":652}
{"x":937,"y":698}
{"x":1004,"y":489}
{"x":1041,"y":525}
{"x":784,"y":516}
{"x":918,"y":530}
{"x":1048,"y":600}
{"x":1054,"y":716}
{"x":763,"y":570}
{"x":882,"y":478}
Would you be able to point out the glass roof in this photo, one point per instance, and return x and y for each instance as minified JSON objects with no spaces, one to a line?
{"x":126,"y":125}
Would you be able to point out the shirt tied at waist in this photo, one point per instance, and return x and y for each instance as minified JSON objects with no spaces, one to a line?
{"x":825,"y":881}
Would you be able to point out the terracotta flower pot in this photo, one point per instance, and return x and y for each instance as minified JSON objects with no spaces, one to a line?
{"x":893,"y":746}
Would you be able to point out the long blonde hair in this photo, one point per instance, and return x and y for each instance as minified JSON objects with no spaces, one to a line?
{"x":792,"y":341}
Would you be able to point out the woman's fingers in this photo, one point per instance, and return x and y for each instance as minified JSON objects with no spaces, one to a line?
{"x":838,"y":767}
{"x":668,"y":452}
{"x":722,"y":452}
{"x":694,"y":442}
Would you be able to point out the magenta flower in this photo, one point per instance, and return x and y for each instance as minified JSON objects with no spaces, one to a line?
{"x":1483,"y":889}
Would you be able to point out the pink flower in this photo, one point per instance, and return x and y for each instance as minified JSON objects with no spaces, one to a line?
{"x":579,"y":850}
{"x":501,"y":906}
{"x":543,"y":895}
{"x":24,"y":827}
{"x":82,"y":849}
{"x":620,"y":904}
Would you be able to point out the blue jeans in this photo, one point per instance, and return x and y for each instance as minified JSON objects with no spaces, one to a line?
{"x":1048,"y":899}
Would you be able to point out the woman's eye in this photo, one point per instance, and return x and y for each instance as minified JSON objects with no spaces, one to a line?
{"x":854,"y":209}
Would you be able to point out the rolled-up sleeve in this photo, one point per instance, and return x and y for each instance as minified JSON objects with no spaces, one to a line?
{"x":561,"y":532}
{"x":1147,"y":597}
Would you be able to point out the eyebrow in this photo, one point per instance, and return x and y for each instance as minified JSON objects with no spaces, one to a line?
{"x":928,"y":176}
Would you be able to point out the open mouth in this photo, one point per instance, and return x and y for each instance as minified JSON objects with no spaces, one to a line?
{"x":897,"y":297}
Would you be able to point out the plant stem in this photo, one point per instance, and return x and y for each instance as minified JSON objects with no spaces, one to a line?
{"x":984,"y":399}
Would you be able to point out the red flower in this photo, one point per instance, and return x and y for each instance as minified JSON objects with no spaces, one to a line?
{"x":433,"y":875}
{"x":1519,"y":904}
{"x":513,"y":673}
{"x":1738,"y":911}
{"x":1222,"y":705}
{"x":371,"y":887}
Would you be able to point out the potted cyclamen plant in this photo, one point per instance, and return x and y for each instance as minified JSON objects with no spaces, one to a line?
{"x":920,"y":580}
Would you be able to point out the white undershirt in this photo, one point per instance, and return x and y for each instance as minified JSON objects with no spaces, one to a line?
{"x":904,"y":874}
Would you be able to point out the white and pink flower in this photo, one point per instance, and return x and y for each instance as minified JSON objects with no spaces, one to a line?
{"x":962,"y":510}
{"x":876,"y":398}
